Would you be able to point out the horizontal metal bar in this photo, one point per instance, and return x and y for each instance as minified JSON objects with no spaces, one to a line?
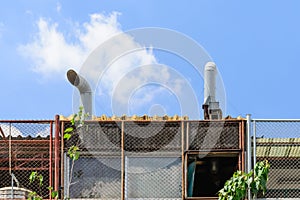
{"x":26,"y":121}
{"x":214,"y":151}
{"x":25,"y":168}
{"x":275,"y":120}
{"x":23,"y":142}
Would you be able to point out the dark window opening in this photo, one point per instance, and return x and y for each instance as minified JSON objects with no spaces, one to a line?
{"x":207,"y":175}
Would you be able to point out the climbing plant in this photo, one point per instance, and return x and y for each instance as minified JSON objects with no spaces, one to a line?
{"x":237,"y":186}
{"x":77,"y":123}
{"x":37,"y":177}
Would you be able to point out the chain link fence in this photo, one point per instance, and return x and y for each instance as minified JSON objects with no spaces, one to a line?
{"x":130,"y":159}
{"x":24,"y":148}
{"x":145,"y":159}
{"x":278,"y":141}
{"x":97,"y":173}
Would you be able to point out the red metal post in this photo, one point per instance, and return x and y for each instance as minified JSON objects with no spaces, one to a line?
{"x":56,"y":153}
{"x":50,"y":157}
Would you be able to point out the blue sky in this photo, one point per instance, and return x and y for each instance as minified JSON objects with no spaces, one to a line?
{"x":255,"y":46}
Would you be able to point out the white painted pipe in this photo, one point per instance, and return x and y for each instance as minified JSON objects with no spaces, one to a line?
{"x":86,"y":94}
{"x":210,"y":72}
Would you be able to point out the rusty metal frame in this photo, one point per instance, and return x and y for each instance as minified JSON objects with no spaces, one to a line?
{"x":26,"y":151}
{"x":56,"y":153}
{"x":39,"y":151}
{"x":56,"y":145}
{"x":50,"y":157}
{"x":182,"y":159}
{"x":62,"y":177}
{"x":122,"y":162}
{"x":240,"y":153}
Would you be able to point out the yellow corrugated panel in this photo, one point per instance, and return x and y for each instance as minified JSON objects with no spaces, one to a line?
{"x":263,"y":140}
{"x":278,"y":151}
{"x":297,"y":140}
{"x":295,"y":151}
{"x":261,"y":151}
{"x":278,"y":140}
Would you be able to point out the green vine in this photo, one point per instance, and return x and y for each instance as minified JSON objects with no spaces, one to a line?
{"x":37,"y":177}
{"x":77,"y":122}
{"x":237,"y":186}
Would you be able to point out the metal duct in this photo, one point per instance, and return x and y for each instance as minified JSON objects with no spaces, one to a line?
{"x":210,"y":105}
{"x":85,"y":91}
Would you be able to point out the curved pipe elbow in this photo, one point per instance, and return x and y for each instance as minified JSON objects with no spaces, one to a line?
{"x":84,"y":89}
{"x":78,"y":81}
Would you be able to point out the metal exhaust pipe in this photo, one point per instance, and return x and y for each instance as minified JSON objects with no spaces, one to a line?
{"x":210,"y":105}
{"x":86,"y":94}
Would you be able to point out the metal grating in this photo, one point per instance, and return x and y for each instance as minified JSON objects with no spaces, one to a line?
{"x":148,"y":178}
{"x":24,"y":148}
{"x":143,"y":137}
{"x":214,"y":135}
{"x":96,"y":178}
{"x":278,"y":141}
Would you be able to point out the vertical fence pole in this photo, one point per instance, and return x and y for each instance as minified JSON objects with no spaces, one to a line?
{"x":50,"y":157}
{"x":254,"y":143}
{"x":56,"y":154}
{"x":182,"y":159}
{"x":123,"y":163}
{"x":62,"y":175}
{"x":10,"y":160}
{"x":249,"y":149}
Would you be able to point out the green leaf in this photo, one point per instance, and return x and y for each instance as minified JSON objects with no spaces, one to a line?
{"x":41,"y":178}
{"x":69,"y":130}
{"x":67,"y":136}
{"x":73,"y":119}
{"x":73,"y":152}
{"x":32,"y":176}
{"x":54,"y":194}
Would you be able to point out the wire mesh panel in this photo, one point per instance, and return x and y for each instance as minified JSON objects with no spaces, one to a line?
{"x":139,"y":159}
{"x":278,"y":141}
{"x":148,"y":178}
{"x":205,"y":135}
{"x":25,"y":148}
{"x":96,"y":178}
{"x":153,"y":160}
{"x":97,"y":173}
{"x":146,"y":137}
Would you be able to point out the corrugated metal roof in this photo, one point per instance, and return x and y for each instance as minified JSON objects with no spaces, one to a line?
{"x":133,"y":118}
{"x":142,"y":118}
{"x":278,"y":147}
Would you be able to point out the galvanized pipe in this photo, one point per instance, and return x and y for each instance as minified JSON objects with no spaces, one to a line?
{"x":85,"y":91}
{"x":210,"y":72}
{"x":248,"y":117}
{"x":254,"y":143}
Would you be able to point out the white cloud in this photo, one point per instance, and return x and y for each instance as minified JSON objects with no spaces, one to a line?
{"x":52,"y":53}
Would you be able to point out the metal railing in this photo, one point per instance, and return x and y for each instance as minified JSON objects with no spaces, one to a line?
{"x":278,"y":141}
{"x":125,"y":159}
{"x":25,"y":146}
{"x":145,"y":159}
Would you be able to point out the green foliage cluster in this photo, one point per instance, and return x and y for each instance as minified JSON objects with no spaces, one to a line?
{"x":36,"y":177}
{"x":77,"y":122}
{"x":73,"y":152}
{"x":237,"y":186}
